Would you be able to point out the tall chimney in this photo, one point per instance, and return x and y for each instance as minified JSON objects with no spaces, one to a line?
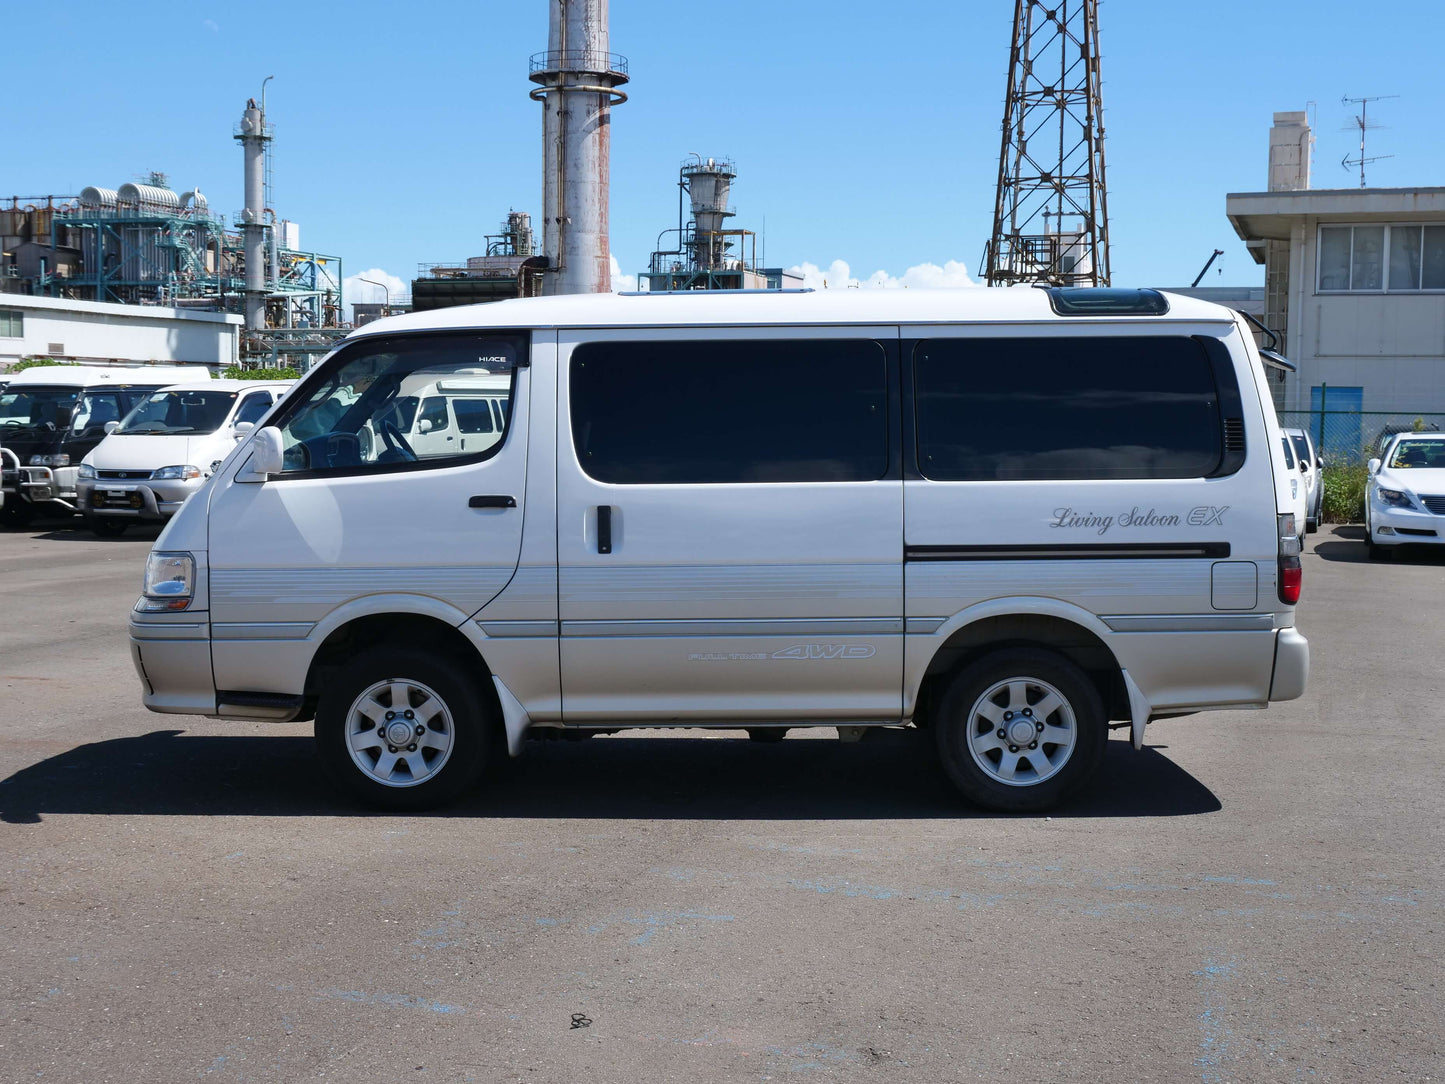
{"x":254,"y":137}
{"x":578,"y":80}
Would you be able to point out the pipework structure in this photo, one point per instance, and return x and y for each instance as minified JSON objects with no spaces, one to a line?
{"x":709,"y":256}
{"x":1051,"y":221}
{"x":577,"y":85}
{"x":510,"y":268}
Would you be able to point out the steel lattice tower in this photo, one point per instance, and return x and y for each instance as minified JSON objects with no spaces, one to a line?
{"x":1051,"y":221}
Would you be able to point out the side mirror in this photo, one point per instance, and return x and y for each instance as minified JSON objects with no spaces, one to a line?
{"x":266,"y":456}
{"x":242,"y":428}
{"x":1373,"y":466}
{"x":424,"y":426}
{"x":111,"y":427}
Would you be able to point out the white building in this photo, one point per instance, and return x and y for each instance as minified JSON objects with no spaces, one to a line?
{"x":1355,"y":280}
{"x":95,"y":333}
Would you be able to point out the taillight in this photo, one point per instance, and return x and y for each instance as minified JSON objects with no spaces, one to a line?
{"x":1291,"y":575}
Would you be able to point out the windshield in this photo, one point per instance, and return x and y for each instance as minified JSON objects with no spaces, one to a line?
{"x":93,"y":410}
{"x":1301,"y":447}
{"x":30,"y":407}
{"x":179,"y":412}
{"x":1288,"y":452}
{"x":1419,"y":453}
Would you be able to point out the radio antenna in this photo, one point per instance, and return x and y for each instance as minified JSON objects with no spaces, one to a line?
{"x":1362,"y":122}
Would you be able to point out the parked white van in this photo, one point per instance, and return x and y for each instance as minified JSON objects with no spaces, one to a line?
{"x":1008,"y":517}
{"x":165,"y":447}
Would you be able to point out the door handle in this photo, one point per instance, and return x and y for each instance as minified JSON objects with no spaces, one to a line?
{"x":492,"y":501}
{"x":604,"y":528}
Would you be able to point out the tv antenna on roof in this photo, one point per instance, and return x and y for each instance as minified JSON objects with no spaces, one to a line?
{"x":1363,"y":124}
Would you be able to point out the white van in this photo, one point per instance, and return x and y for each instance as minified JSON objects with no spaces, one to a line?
{"x":52,"y":415}
{"x":165,"y":447}
{"x":1009,"y":517}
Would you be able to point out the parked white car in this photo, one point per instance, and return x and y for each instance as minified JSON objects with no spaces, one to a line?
{"x":166,"y":447}
{"x":1405,"y":496}
{"x":1311,"y":469}
{"x":1298,"y":493}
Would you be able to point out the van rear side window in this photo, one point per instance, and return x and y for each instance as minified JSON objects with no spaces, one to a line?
{"x":1066,"y":408}
{"x":731,"y":411}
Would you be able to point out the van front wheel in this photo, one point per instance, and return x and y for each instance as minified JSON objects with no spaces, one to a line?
{"x":402,"y":729}
{"x":1019,"y":730}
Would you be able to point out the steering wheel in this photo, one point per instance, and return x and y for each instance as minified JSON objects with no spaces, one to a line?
{"x":395,"y":442}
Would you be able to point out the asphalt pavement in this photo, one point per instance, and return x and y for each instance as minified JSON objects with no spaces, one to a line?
{"x":1257,"y":896}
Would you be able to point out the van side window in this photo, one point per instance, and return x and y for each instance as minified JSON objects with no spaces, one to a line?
{"x":709,"y":411}
{"x":1067,"y":408}
{"x":434,"y":411}
{"x":473,"y":415}
{"x":355,"y":415}
{"x":253,"y":408}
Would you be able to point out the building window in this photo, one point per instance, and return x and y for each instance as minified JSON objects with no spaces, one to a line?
{"x":1374,"y":259}
{"x":12,"y":324}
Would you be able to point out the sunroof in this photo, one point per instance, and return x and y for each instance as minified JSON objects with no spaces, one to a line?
{"x":1106,"y":301}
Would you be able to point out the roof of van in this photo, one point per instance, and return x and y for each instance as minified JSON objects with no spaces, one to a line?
{"x":703,"y":308}
{"x":84,"y":376}
{"x":226,"y":385}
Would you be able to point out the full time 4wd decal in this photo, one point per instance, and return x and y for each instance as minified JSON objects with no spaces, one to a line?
{"x":1205,"y":515}
{"x":805,"y":652}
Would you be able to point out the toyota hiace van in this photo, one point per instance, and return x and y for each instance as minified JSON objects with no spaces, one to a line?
{"x":1010,"y":518}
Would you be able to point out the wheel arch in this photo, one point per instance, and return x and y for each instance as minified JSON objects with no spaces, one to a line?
{"x":1072,"y":632}
{"x":410,"y":620}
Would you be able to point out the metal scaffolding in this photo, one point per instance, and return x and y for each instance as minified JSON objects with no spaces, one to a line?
{"x":1051,"y":213}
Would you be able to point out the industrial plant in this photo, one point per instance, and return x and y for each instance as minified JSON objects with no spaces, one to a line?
{"x":708,"y":255}
{"x":145,"y":244}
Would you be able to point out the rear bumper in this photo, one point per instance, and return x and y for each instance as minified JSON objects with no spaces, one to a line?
{"x":1291,"y":665}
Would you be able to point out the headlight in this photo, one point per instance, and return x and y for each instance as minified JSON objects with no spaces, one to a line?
{"x":50,"y":460}
{"x":86,"y":471}
{"x":170,"y":581}
{"x":1398,"y":498}
{"x":174,"y":474}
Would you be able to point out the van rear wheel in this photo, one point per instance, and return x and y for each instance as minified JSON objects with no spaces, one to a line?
{"x":1019,"y":730}
{"x":402,"y":728}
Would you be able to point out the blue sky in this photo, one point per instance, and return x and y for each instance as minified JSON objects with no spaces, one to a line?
{"x":863,"y":132}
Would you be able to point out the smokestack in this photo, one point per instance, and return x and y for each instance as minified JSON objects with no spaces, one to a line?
{"x":578,"y":80}
{"x":254,"y":137}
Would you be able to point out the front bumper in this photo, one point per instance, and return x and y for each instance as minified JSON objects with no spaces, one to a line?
{"x":171,"y":653}
{"x":148,"y":500}
{"x":1394,"y":526}
{"x":53,"y":486}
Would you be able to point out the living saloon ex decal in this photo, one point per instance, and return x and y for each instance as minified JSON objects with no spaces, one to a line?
{"x":1206,"y":515}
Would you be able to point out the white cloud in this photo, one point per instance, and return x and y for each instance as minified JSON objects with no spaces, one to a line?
{"x":211,"y":25}
{"x":621,"y":284}
{"x":354,"y":290}
{"x":924,"y":276}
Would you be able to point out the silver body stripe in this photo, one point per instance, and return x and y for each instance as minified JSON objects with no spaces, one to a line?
{"x":262,"y":630}
{"x":1192,"y":623}
{"x":864,"y":626}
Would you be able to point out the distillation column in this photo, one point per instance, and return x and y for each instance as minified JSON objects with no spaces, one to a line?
{"x":254,"y":137}
{"x":578,"y":80}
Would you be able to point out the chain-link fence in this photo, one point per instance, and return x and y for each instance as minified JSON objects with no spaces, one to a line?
{"x":1346,"y":437}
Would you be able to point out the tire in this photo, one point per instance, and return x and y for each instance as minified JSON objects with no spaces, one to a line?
{"x":970,"y":716}
{"x":383,"y":686}
{"x":767,"y":734}
{"x":16,"y":514}
{"x":107,"y":527}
